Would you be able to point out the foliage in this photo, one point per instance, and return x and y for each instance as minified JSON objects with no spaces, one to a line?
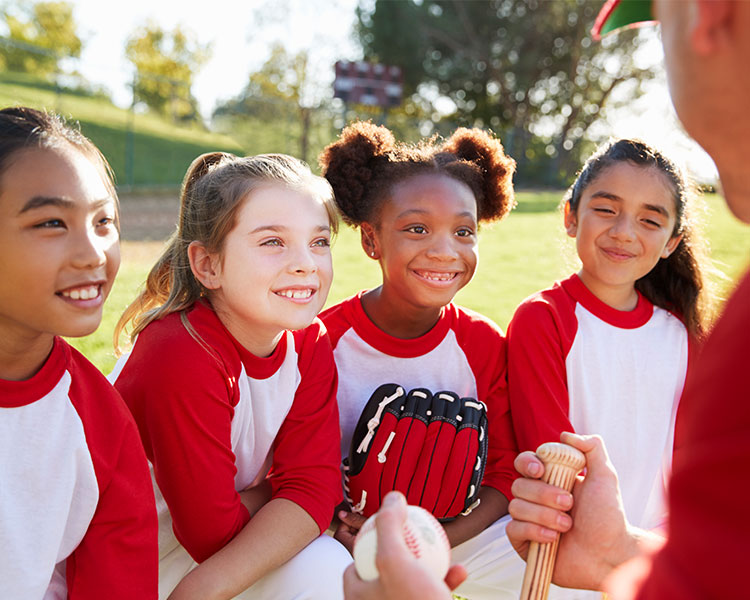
{"x":159,"y":151}
{"x":282,"y":90}
{"x":40,"y":35}
{"x":166,"y":63}
{"x":525,"y":68}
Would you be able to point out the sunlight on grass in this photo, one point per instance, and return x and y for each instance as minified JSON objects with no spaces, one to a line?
{"x":519,"y":256}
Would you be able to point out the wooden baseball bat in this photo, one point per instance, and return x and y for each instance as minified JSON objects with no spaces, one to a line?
{"x":561,"y":465}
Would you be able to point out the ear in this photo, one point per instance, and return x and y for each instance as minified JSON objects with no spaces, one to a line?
{"x":571,"y":220}
{"x":712,"y":25}
{"x":369,"y":240}
{"x":671,"y":246}
{"x":206,"y":267}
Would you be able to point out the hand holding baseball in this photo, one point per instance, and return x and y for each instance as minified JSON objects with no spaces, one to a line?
{"x":401,"y":575}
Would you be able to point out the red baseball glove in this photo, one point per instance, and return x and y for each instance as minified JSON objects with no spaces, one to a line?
{"x":431,"y":447}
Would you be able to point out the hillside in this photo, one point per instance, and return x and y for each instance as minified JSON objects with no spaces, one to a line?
{"x":158,"y":151}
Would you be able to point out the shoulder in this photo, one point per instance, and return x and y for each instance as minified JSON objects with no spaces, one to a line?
{"x":312,"y":345}
{"x":338,"y":318}
{"x":106,"y":420}
{"x":551,"y":304}
{"x":179,"y":349}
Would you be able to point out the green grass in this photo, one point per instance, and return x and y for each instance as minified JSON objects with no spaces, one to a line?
{"x":161,"y":151}
{"x":523,"y":254}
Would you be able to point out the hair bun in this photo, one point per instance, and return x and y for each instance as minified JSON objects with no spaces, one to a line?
{"x":486,"y":152}
{"x":348,"y":164}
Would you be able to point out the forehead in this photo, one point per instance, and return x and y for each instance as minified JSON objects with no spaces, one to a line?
{"x":276,"y":203}
{"x":631,"y":182}
{"x":433,"y":193}
{"x":58,"y":172}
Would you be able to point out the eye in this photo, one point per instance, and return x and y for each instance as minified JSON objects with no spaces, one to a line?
{"x":418,"y":229}
{"x":604,"y":210}
{"x":322,"y":242}
{"x":50,"y":224}
{"x":106,"y":221}
{"x":464,"y":232}
{"x":272,"y":242}
{"x":652,"y":223}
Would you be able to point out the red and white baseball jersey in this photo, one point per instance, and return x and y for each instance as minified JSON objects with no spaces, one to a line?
{"x":577,"y":364}
{"x":464,"y":353}
{"x":77,"y":516}
{"x":214,"y":419}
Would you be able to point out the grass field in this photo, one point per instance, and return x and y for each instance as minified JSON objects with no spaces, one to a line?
{"x":524,"y":253}
{"x":160,"y":151}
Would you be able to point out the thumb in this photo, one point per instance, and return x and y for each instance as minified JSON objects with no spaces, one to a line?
{"x":389,"y":525}
{"x":597,"y":459}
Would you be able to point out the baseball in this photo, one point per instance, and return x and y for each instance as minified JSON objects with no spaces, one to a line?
{"x":423,"y":534}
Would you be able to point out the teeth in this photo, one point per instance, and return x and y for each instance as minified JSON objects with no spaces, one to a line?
{"x":84,"y":293}
{"x":434,"y":276}
{"x":296,"y":294}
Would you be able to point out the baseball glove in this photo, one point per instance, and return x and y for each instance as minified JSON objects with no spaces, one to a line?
{"x":430,"y":447}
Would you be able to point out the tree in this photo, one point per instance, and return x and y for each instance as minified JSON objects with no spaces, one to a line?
{"x":525,"y":68}
{"x":282,"y":90}
{"x":166,"y":63}
{"x":40,"y":35}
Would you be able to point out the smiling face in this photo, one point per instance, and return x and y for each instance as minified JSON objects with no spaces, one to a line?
{"x":58,"y":242}
{"x":426,"y":241}
{"x":274,"y":270}
{"x":623,"y":226}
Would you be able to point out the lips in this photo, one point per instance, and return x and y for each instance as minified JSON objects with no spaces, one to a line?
{"x":437,"y":276}
{"x":296,"y":293}
{"x":84,"y":292}
{"x":617,"y":254}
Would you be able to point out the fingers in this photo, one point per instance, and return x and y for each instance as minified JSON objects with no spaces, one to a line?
{"x":455,"y":576}
{"x":353,"y":520}
{"x":551,"y":518}
{"x":520,"y":533}
{"x":528,"y":465}
{"x":356,"y":589}
{"x":542,"y":493}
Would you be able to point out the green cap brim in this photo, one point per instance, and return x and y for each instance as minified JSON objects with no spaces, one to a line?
{"x":616,"y":14}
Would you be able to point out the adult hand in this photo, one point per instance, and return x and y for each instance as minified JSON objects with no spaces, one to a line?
{"x":402,"y":577}
{"x":597,"y":535}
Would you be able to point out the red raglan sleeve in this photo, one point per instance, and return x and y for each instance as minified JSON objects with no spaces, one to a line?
{"x":118,"y":557}
{"x":485,"y":348}
{"x":537,"y":380}
{"x":306,"y":451}
{"x":181,"y":395}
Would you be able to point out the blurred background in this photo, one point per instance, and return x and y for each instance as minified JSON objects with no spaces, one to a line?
{"x":154,"y":83}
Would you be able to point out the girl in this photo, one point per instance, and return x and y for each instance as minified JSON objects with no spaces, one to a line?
{"x":418,"y":209}
{"x":607,"y":350}
{"x":78,"y":518}
{"x":236,"y":411}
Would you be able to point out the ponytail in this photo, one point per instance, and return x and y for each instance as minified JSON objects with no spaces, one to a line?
{"x":212,"y":192}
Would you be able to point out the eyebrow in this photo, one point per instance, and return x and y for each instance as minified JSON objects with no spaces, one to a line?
{"x":280,"y":228}
{"x":42,"y":201}
{"x":614,"y":197}
{"x":419,"y":211}
{"x":64,"y":203}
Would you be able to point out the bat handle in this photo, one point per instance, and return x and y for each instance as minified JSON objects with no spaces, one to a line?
{"x":561,"y":465}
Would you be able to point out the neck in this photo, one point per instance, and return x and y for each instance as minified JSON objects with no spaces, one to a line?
{"x":621,"y":297}
{"x":397,"y":318}
{"x":260,"y":343}
{"x":22,"y":358}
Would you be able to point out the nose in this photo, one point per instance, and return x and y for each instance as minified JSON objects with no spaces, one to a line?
{"x":302,"y":261}
{"x":622,"y":228}
{"x":442,"y":247}
{"x":90,"y":249}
